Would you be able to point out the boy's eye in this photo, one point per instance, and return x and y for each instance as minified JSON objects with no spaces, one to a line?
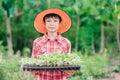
{"x":47,"y":20}
{"x":55,"y":20}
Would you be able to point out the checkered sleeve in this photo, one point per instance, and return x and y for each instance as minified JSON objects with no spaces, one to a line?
{"x":35,"y":55}
{"x":34,"y":50}
{"x":69,"y":47}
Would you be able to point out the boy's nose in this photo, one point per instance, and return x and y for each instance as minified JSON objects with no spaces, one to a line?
{"x":52,"y":22}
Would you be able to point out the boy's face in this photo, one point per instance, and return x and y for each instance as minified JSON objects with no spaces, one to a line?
{"x":52,"y":24}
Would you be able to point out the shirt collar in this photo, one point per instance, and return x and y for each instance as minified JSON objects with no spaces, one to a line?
{"x":46,"y":38}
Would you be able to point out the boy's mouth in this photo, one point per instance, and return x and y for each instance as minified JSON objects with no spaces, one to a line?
{"x":51,"y":27}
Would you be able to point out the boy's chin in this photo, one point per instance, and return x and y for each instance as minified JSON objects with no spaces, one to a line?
{"x":52,"y":31}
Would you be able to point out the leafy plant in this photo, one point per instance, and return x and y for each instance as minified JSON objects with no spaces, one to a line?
{"x":117,"y":68}
{"x":53,"y":59}
{"x":93,"y":66}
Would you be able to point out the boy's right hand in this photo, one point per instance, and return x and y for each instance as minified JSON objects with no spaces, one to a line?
{"x":34,"y":72}
{"x":31,"y":71}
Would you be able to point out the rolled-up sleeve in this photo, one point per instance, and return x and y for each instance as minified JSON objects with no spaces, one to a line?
{"x":69,"y":47}
{"x":34,"y":50}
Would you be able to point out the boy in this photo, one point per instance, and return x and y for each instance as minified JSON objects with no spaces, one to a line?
{"x":52,"y":23}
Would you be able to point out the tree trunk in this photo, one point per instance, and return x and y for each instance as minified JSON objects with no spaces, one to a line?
{"x":77,"y":29}
{"x":102,"y":39}
{"x":92,"y":46}
{"x":9,"y":36}
{"x":117,"y":34}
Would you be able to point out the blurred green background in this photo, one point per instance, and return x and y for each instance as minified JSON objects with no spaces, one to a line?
{"x":94,"y":35}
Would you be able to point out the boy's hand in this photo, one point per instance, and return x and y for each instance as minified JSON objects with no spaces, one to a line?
{"x":69,"y":72}
{"x":34,"y":72}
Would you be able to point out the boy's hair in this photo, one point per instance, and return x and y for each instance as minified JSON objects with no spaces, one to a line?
{"x":51,"y":15}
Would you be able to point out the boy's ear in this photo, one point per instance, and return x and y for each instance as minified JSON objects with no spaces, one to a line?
{"x":60,"y":23}
{"x":43,"y":22}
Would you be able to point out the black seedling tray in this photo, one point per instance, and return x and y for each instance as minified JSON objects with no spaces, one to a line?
{"x":37,"y":67}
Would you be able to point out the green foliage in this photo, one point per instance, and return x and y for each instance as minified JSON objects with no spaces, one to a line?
{"x":7,"y":69}
{"x":10,"y":67}
{"x":69,"y":2}
{"x":92,"y":66}
{"x":117,"y":68}
{"x":54,"y":59}
{"x":1,"y":16}
{"x":95,"y":66}
{"x":26,"y":52}
{"x":3,"y":50}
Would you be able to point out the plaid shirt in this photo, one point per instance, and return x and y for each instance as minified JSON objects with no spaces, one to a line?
{"x":43,"y":45}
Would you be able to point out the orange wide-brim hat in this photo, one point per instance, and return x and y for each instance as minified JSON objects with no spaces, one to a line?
{"x":64,"y":26}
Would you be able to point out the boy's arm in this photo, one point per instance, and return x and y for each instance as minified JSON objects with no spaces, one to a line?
{"x":69,"y":47}
{"x":34,"y":50}
{"x":69,"y":72}
{"x":35,"y":55}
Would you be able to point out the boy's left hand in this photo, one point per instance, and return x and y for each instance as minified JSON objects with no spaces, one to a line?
{"x":69,"y":72}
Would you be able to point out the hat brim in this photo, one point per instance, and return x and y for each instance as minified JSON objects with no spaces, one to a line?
{"x":64,"y":26}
